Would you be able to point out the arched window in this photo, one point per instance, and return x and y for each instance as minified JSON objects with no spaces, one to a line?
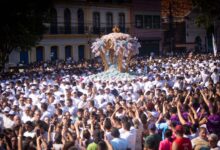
{"x":122,"y":22}
{"x":96,"y":22}
{"x":53,"y":53}
{"x":109,"y":22}
{"x":53,"y":23}
{"x":39,"y":53}
{"x":67,"y":21}
{"x":68,"y":52}
{"x":81,"y":49}
{"x":80,"y":15}
{"x":24,"y":56}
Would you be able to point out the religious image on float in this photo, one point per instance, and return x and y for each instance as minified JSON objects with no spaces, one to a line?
{"x":116,"y":49}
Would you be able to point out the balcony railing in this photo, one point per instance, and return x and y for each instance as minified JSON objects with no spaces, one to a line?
{"x":82,"y":30}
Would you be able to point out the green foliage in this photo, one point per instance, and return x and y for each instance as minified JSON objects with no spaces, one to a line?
{"x":22,"y":24}
{"x":209,"y":11}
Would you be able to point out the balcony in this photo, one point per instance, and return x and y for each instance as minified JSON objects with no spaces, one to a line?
{"x":82,"y":30}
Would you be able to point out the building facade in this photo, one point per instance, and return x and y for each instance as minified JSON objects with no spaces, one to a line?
{"x":146,"y":25}
{"x":74,"y":25}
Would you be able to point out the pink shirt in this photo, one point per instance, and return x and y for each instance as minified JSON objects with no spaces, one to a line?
{"x":165,"y":144}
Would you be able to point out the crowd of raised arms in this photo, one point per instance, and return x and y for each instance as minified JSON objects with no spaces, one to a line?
{"x":173,"y":103}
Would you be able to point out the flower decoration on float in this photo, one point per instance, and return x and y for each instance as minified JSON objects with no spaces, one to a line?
{"x":116,"y":49}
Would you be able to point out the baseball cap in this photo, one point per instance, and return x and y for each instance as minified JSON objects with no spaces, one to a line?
{"x":179,"y":128}
{"x":6,"y":109}
{"x":11,"y":112}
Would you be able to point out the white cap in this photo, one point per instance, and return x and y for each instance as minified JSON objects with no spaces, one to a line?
{"x":44,"y":83}
{"x":19,"y":88}
{"x":56,"y":101}
{"x":6,"y":109}
{"x":11,"y":112}
{"x":11,"y":98}
{"x":33,"y":88}
{"x":15,"y":103}
{"x":67,"y":87}
{"x":43,"y":100}
{"x":27,"y":107}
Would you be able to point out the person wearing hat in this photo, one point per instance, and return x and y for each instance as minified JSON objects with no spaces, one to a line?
{"x":75,"y":97}
{"x":181,"y":143}
{"x":11,"y":115}
{"x":26,"y":114}
{"x":7,"y":121}
{"x":152,"y":141}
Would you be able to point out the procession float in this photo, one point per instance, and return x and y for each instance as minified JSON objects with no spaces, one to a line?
{"x":115,"y":50}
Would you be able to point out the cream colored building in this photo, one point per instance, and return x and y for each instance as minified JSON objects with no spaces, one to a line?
{"x":73,"y":27}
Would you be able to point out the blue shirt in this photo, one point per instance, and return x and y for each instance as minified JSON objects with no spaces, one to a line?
{"x":119,"y":144}
{"x":163,"y":127}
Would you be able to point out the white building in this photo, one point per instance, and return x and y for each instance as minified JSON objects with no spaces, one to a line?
{"x":74,"y":25}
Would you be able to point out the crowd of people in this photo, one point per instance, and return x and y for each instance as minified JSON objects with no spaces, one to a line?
{"x":174,"y":103}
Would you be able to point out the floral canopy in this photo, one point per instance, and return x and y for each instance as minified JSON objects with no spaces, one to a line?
{"x":116,"y":49}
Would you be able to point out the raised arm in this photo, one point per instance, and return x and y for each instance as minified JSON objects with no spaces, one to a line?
{"x":204,"y":98}
{"x":186,"y":98}
{"x":164,"y":107}
{"x":195,"y":116}
{"x":113,"y":115}
{"x":77,"y":128}
{"x":182,"y":121}
{"x":20,"y":137}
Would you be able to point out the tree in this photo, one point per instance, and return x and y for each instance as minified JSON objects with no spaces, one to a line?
{"x":209,"y":12}
{"x":22,"y":25}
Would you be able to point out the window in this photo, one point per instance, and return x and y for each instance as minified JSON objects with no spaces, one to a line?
{"x":67,"y":21}
{"x":139,"y":21}
{"x":53,"y":23}
{"x":148,"y":22}
{"x":81,"y":49}
{"x":156,"y":22}
{"x":122,"y":22}
{"x":80,"y":15}
{"x":96,"y":22}
{"x":109,"y":22}
{"x":53,"y":53}
{"x":39,"y":53}
{"x":68,"y":52}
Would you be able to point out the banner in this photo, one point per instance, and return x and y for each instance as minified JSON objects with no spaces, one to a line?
{"x":214,"y":45}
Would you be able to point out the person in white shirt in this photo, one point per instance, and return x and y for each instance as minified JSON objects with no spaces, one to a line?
{"x":29,"y":127}
{"x":26,"y":114}
{"x":45,"y":112}
{"x":7,"y":122}
{"x":99,"y":99}
{"x":215,"y":76}
{"x":83,"y":103}
{"x":75,"y":97}
{"x":108,"y":96}
{"x":70,"y":107}
{"x":129,"y":136}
